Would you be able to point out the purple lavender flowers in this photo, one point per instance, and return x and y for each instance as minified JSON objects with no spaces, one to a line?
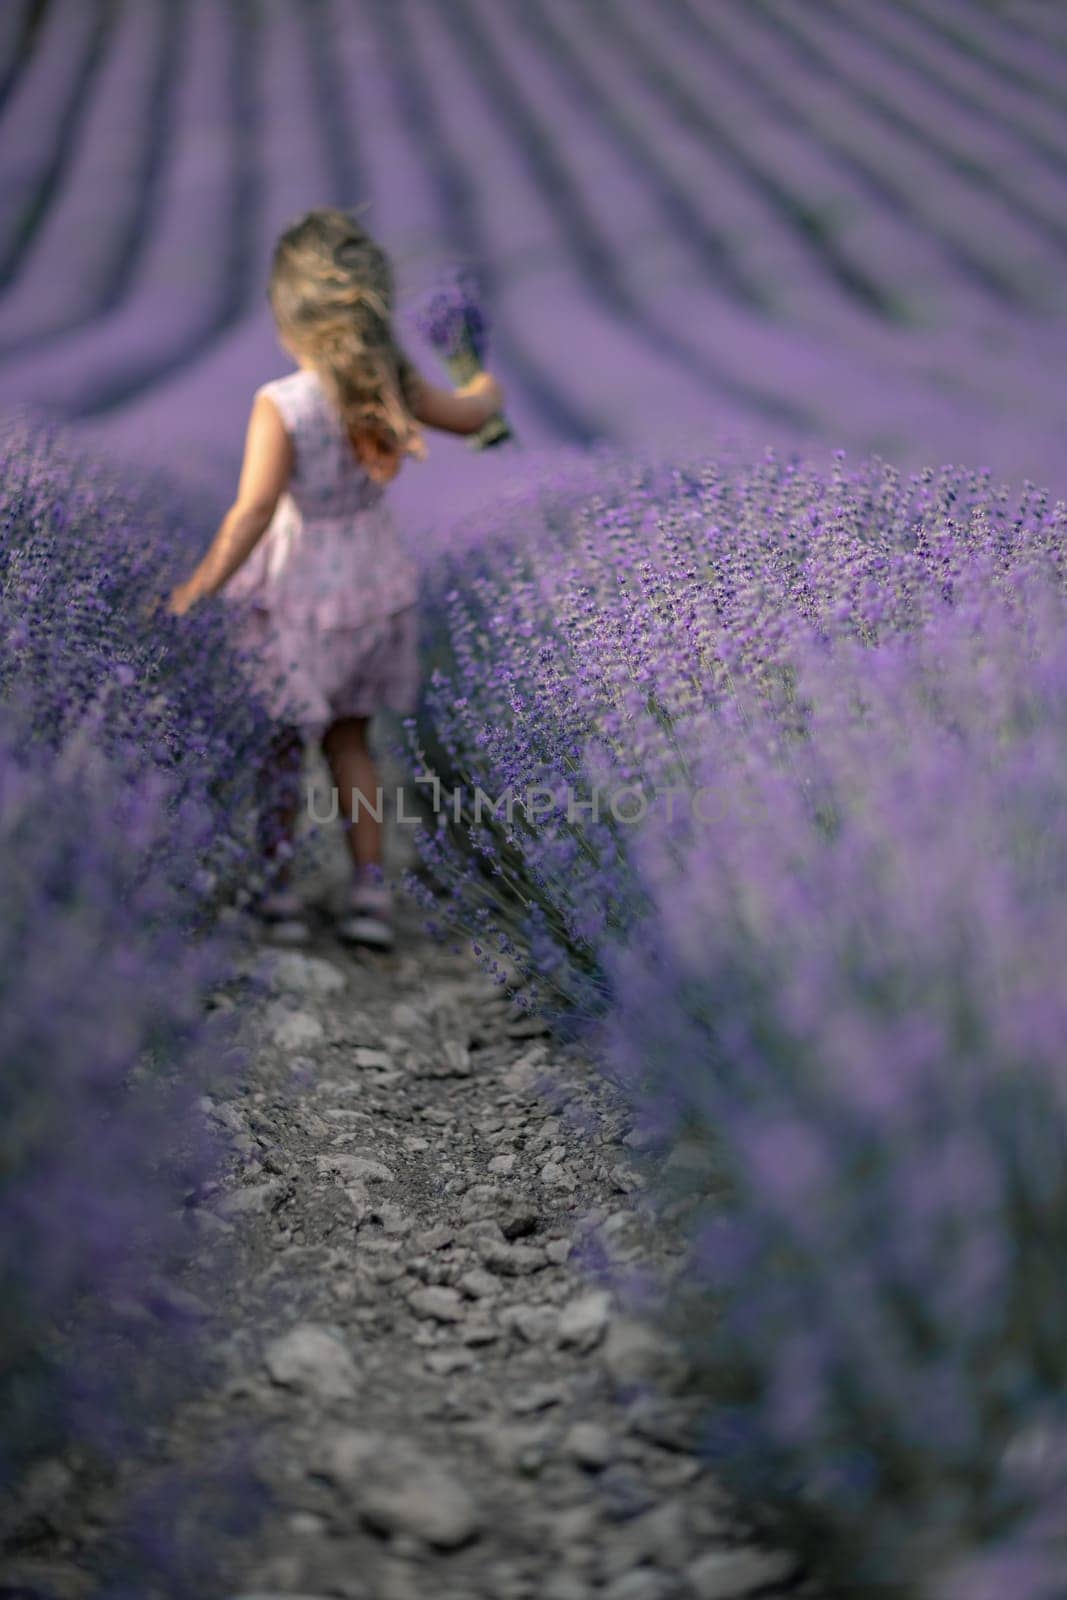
{"x":453,"y":321}
{"x":126,"y":780}
{"x":820,"y":941}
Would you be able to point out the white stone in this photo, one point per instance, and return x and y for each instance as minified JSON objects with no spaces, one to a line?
{"x":478,"y":1284}
{"x":731,"y":1574}
{"x":566,"y":1586}
{"x":314,"y":1360}
{"x":457,"y":1058}
{"x":437,"y":1304}
{"x":509,"y":1443}
{"x":582,"y":1322}
{"x":539,"y":1397}
{"x":636,"y":1355}
{"x":513,"y":1261}
{"x":290,"y":1030}
{"x":305,"y":975}
{"x":443,"y":1363}
{"x":644,"y":1584}
{"x":398,"y":1490}
{"x":534,"y":1324}
{"x":656,"y":1537}
{"x":479,"y":1333}
{"x":372,"y":1060}
{"x":406,"y":1017}
{"x":590,"y":1444}
{"x":356,"y":1169}
{"x":251,"y":1200}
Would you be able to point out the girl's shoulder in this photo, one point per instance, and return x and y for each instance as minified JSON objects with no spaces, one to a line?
{"x":298,"y":396}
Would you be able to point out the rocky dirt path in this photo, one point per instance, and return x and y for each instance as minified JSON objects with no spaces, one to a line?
{"x":437,"y":1390}
{"x":443,"y":1399}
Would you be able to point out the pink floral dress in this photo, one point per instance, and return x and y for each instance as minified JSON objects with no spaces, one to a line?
{"x":326,"y":600}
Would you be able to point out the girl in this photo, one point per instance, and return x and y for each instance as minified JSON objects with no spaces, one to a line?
{"x":309,"y":548}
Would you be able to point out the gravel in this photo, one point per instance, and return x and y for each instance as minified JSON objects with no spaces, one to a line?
{"x":434,"y":1399}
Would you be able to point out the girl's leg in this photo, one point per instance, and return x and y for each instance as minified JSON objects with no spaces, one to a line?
{"x":347,"y":750}
{"x":368,"y":920}
{"x":280,"y":804}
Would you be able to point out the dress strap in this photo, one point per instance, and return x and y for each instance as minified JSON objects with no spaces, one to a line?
{"x":292,"y":397}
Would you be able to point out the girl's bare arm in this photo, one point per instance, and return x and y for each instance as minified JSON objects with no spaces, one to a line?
{"x":268,"y":463}
{"x":463,"y":410}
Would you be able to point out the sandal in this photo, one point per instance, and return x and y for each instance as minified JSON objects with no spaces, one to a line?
{"x":368,"y":917}
{"x":282,"y":915}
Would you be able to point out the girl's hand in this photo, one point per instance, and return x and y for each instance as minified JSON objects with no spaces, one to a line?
{"x":267,"y":465}
{"x":182,"y":597}
{"x":465,"y":410}
{"x":486,"y":388}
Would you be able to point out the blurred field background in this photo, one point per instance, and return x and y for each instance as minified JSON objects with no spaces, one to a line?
{"x":699,"y":221}
{"x":704,"y":226}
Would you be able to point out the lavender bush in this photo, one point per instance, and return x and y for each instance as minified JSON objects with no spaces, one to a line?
{"x":846,"y":1006}
{"x":126,"y":775}
{"x":103,"y":1052}
{"x":824,"y":964}
{"x":84,"y":560}
{"x":586,"y":638}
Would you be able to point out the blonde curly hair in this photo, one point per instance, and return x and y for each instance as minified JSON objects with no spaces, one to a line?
{"x":331,"y":291}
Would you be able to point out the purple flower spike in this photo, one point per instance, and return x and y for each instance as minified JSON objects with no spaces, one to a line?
{"x":453,"y":321}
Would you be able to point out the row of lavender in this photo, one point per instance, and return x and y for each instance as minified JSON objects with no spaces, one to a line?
{"x":815,"y":926}
{"x":759,"y":221}
{"x":124,"y":796}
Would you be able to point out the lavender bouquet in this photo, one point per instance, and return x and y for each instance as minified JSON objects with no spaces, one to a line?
{"x":452,"y":321}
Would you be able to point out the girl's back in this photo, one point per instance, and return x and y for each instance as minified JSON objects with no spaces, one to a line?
{"x":328,"y":479}
{"x":331,"y":557}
